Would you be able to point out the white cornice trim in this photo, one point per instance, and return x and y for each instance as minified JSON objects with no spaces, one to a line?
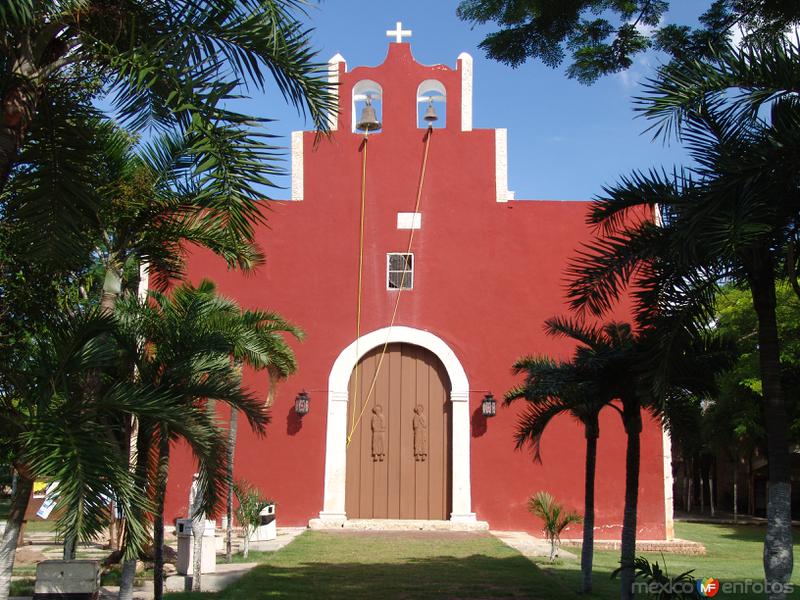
{"x":466,"y":91}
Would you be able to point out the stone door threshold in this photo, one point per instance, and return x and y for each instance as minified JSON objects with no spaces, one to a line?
{"x":398,"y":525}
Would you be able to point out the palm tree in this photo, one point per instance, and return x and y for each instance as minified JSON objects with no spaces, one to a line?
{"x":733,"y":216}
{"x":202,"y":178}
{"x":165,"y":65}
{"x":612,"y":355}
{"x":575,"y":388}
{"x":554,"y":518}
{"x":57,"y":425}
{"x":190,"y":336}
{"x":612,"y":367}
{"x":257,"y":339}
{"x":174,"y":75}
{"x":154,"y":203}
{"x":248,"y":513}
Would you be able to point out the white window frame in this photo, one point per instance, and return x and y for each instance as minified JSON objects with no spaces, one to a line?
{"x":389,"y":270}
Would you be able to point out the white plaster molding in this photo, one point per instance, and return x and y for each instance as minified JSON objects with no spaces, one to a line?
{"x":333,"y":79}
{"x":335,"y":446}
{"x":409,"y":220}
{"x":297,"y":165}
{"x":501,"y":166}
{"x":669,"y":522}
{"x":459,"y":396}
{"x":462,"y":491}
{"x":463,"y":518}
{"x":466,"y":91}
{"x":431,"y":86}
{"x":337,"y":396}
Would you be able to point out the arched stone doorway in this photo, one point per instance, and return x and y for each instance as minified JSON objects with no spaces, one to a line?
{"x":333,"y":507}
{"x":398,"y":460}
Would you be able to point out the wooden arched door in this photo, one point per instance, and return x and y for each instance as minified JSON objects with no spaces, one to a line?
{"x":399,"y":458}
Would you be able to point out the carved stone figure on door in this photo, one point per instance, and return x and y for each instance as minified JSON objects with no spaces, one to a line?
{"x":420,"y":434}
{"x":378,"y":434}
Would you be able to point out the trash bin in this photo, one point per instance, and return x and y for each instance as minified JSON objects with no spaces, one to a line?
{"x":208,"y":558}
{"x":268,"y":528}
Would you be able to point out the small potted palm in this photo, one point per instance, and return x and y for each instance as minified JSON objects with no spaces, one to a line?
{"x":249,"y":511}
{"x":555,"y":518}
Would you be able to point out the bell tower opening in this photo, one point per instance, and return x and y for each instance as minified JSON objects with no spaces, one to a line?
{"x":431,"y":104}
{"x":367,"y":115}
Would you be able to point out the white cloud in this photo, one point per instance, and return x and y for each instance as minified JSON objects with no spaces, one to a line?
{"x":642,"y":68}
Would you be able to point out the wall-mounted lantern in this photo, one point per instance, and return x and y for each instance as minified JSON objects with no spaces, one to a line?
{"x":301,"y":403}
{"x":489,"y":406}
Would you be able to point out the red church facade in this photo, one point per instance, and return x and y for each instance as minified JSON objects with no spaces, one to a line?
{"x":485,"y":271}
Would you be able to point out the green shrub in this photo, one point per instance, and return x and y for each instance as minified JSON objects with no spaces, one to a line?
{"x":555,"y":518}
{"x":251,"y":503}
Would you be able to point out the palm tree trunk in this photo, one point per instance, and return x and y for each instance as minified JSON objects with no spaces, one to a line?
{"x":158,"y":519}
{"x":69,"y":548}
{"x":685,"y":487}
{"x":199,"y":521}
{"x":735,"y":491}
{"x":112,"y":288}
{"x":633,"y":428}
{"x":778,"y":559}
{"x":229,"y":502}
{"x":711,"y":491}
{"x":19,"y":103}
{"x":702,"y":491}
{"x":8,"y":548}
{"x":587,"y":549}
{"x":112,"y":285}
{"x":138,"y":449}
{"x":126,"y":579}
{"x":198,"y":528}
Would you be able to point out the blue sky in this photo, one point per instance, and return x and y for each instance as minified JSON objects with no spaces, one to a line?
{"x":566,"y":140}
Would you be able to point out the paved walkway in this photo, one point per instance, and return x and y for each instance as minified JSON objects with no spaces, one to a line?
{"x":527,"y":545}
{"x":224,"y":576}
{"x":227,"y":573}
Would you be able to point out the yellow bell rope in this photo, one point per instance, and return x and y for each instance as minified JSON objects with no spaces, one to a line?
{"x":360,"y":257}
{"x":354,"y":423}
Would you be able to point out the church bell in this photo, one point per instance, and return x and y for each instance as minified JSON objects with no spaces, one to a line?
{"x":430,"y":113}
{"x":369,"y":120}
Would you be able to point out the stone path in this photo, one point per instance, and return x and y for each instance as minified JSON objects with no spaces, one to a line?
{"x":398,"y":525}
{"x":527,"y":545}
{"x":226,"y":573}
{"x":224,"y":576}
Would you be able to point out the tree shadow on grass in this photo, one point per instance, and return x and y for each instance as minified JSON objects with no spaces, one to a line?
{"x":746,"y":532}
{"x":477,"y":577}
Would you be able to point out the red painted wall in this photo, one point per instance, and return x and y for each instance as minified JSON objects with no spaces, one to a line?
{"x":487,"y":275}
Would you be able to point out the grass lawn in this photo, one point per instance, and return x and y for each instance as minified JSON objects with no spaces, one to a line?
{"x":37,"y":526}
{"x":410,"y":565}
{"x":733,"y":553}
{"x":384,"y":566}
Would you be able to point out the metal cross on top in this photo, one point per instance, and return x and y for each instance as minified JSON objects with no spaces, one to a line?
{"x":398,"y":33}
